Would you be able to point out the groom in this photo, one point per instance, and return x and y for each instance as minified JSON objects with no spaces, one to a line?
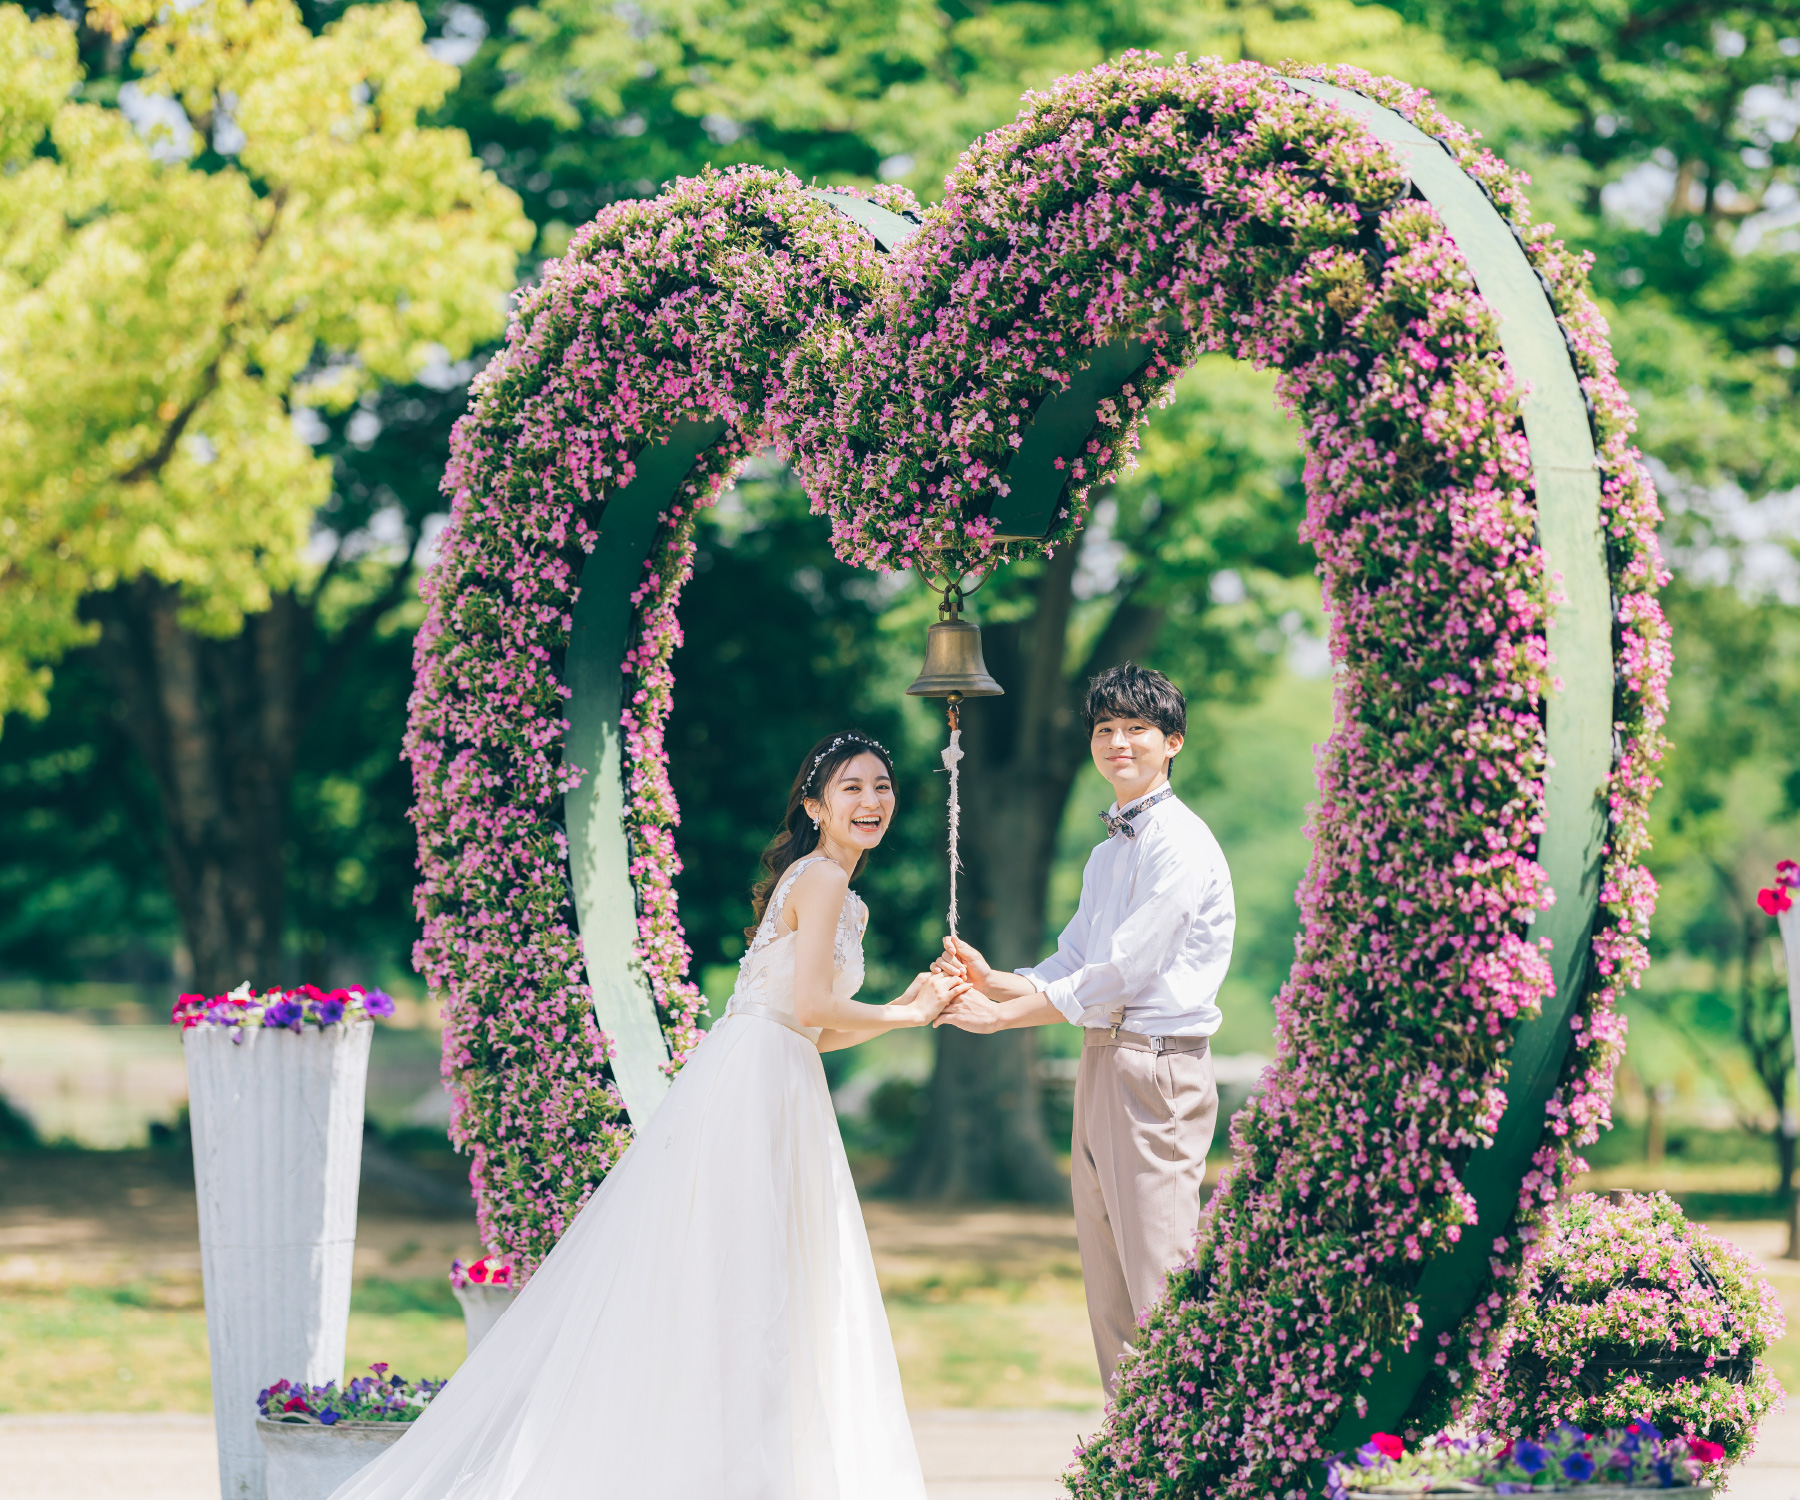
{"x":1139,"y":969}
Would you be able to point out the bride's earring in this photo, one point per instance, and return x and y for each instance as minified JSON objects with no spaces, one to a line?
{"x":815,"y":825}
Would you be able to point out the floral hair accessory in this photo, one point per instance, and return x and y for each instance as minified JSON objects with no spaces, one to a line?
{"x":841,"y":740}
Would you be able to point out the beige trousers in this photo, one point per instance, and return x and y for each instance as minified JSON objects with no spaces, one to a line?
{"x":1143,"y":1122}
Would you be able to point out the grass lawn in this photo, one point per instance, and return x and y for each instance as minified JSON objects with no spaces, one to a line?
{"x":143,"y":1347}
{"x":100,"y":1306}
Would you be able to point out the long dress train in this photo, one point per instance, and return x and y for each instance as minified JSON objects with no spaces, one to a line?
{"x":709,"y":1327}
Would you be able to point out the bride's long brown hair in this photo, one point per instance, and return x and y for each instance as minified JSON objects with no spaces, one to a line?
{"x":797,"y":837}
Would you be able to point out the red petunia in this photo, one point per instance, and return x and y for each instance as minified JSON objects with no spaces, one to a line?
{"x":1707,"y":1453}
{"x":296,"y":1403}
{"x":1388,"y":1445}
{"x":1774,"y":902}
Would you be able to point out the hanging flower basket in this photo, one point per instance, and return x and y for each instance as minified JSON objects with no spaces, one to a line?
{"x":1631,"y":1311}
{"x":275,"y":1092}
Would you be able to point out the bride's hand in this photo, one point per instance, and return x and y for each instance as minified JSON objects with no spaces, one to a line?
{"x":930,"y":993}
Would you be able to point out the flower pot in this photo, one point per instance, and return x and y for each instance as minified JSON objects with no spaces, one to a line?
{"x":1789,"y":924}
{"x":482,"y":1306}
{"x":277,"y":1120}
{"x":1579,"y":1491}
{"x":304,"y":1461}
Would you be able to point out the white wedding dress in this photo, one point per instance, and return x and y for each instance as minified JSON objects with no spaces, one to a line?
{"x":709,"y":1328}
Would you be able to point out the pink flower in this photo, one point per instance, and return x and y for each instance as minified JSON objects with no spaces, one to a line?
{"x":1706,"y":1452}
{"x":1775,"y":901}
{"x":1388,"y":1445}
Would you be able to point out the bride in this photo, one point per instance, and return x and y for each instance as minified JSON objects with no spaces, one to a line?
{"x":709,"y":1327}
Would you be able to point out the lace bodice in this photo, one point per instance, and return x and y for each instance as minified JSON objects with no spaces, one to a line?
{"x":765,"y":980}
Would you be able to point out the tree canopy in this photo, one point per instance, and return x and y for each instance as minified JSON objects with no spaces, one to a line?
{"x":257,"y":221}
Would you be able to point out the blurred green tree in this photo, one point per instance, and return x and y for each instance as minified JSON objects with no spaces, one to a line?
{"x":244,"y":222}
{"x":1727,"y":812}
{"x":1681,"y":169}
{"x":1660,"y":134}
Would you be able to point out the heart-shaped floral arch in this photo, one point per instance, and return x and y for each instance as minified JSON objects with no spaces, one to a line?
{"x":1163,"y":211}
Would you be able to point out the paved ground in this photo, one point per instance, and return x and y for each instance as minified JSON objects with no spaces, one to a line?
{"x":968,"y":1455}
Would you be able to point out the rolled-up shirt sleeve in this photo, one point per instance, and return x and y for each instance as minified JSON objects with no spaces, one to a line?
{"x":1165,"y":896}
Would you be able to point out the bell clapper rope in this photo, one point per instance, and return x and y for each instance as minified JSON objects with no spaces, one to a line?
{"x":951,"y":756}
{"x":954,"y":671}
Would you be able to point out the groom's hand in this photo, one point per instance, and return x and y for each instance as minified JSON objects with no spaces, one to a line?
{"x":971,"y":1011}
{"x":964,"y":961}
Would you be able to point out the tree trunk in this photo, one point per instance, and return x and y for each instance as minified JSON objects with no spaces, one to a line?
{"x":983,"y":1136}
{"x":217,"y":721}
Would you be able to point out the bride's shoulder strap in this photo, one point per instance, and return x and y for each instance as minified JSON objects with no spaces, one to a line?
{"x":789,"y":876}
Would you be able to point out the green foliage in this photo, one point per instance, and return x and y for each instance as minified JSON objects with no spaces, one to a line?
{"x":1681,"y":125}
{"x":288,"y":234}
{"x":79,"y":883}
{"x":783,"y":645}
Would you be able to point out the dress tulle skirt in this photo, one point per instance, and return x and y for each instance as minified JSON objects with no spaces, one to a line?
{"x":709,"y":1328}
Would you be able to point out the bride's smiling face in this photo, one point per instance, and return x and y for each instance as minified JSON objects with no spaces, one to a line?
{"x":857,"y":806}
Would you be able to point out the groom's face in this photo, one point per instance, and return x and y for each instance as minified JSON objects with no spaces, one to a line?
{"x":1131,"y":753}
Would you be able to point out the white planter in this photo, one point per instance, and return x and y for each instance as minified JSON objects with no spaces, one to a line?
{"x":277,"y":1124}
{"x":482,"y":1306}
{"x":307,"y":1462}
{"x":1789,"y":924}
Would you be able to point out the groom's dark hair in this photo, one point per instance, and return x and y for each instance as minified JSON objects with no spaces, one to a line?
{"x":1129,"y":691}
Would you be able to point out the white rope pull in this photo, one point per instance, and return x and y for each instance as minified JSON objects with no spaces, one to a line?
{"x":951,"y":756}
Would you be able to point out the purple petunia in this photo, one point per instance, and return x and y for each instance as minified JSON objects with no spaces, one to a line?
{"x":1530,"y":1456}
{"x":293,"y":1010}
{"x":284,"y":1013}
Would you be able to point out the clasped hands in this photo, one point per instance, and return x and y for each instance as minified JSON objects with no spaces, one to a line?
{"x":969,"y":1008}
{"x":950,"y":993}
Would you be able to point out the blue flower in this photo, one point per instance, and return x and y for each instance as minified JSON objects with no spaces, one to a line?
{"x":378,"y":1004}
{"x":1644,"y":1430}
{"x":327,"y":1417}
{"x":283,"y":1013}
{"x":330,"y":1012}
{"x":1578,"y":1466}
{"x":1530,"y":1456}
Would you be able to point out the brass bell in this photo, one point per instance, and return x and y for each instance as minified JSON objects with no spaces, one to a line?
{"x":953,"y":665}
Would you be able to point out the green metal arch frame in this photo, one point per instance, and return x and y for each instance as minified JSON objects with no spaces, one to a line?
{"x":599,"y":854}
{"x":1578,"y":714}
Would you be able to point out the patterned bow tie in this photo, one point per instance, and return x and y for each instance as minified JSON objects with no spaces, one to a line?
{"x":1121,"y":822}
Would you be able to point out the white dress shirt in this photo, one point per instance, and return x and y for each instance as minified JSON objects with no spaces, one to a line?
{"x":1150,"y":942}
